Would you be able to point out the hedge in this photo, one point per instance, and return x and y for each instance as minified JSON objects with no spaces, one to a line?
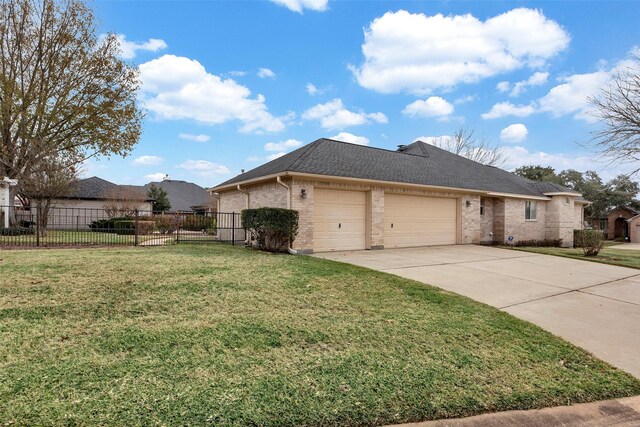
{"x":274,"y":229}
{"x":17,"y":231}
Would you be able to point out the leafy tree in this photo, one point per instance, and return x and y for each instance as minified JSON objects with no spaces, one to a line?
{"x":63,"y":90}
{"x":618,"y":109}
{"x":623,"y":191}
{"x":539,"y":173}
{"x":161,"y":203}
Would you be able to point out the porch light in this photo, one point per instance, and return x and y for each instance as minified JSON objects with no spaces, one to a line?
{"x":468,"y":202}
{"x":303,"y":193}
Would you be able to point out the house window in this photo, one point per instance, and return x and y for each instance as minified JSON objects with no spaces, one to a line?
{"x":603,"y":224}
{"x":481,"y":206}
{"x":530,"y":210}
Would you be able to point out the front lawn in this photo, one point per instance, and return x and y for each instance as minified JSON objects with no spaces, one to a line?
{"x":190,"y":335}
{"x":608,"y":255}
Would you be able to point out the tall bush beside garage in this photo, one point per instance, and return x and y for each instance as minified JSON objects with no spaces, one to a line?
{"x":274,"y":229}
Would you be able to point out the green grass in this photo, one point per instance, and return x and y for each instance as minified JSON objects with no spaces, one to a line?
{"x":190,"y":335}
{"x":608,"y":255}
{"x":78,"y":237}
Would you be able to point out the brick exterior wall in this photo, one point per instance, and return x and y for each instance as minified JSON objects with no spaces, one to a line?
{"x":561,"y":219}
{"x":503,"y":216}
{"x":486,"y":221}
{"x":634,"y":234}
{"x":520,"y":228}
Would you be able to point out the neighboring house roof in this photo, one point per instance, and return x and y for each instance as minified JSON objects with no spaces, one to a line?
{"x":95,"y":188}
{"x":626,"y":208}
{"x":417,"y":163}
{"x":181,"y":194}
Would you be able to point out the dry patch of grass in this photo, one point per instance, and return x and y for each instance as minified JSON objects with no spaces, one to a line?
{"x":223,"y":335}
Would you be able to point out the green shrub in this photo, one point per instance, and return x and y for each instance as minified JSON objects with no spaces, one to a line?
{"x":197,"y":223}
{"x":106,"y":225}
{"x":544,"y":243}
{"x":166,"y":224}
{"x":17,"y":231}
{"x":124,"y":226}
{"x":274,"y":229}
{"x":591,"y":241}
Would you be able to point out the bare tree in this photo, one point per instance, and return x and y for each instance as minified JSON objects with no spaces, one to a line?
{"x":464,"y":143}
{"x":51,"y":179}
{"x":122,"y":201}
{"x":617,"y":107}
{"x":63,"y":90}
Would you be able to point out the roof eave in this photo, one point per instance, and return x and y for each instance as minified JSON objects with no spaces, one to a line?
{"x":233,"y":186}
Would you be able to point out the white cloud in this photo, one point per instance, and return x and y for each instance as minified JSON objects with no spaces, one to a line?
{"x":353,"y":139}
{"x":196,"y":138}
{"x":264,"y":73}
{"x":571,"y":96}
{"x":334,"y":115}
{"x":283,"y":146}
{"x":128,"y":50}
{"x":147,"y":161}
{"x":312,"y":89}
{"x":434,"y":106}
{"x":417,"y":53}
{"x":204,"y":168}
{"x":536,"y":79}
{"x":503,"y":86}
{"x":300,"y":5}
{"x":503,"y":109}
{"x":464,"y":99}
{"x":159,"y":176}
{"x":179,"y":88}
{"x":514,"y":133}
{"x":276,"y":155}
{"x":237,"y":73}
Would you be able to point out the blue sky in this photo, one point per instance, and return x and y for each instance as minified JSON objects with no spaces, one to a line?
{"x":228,"y":85}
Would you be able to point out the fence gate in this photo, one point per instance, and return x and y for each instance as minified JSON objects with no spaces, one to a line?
{"x":62,"y":226}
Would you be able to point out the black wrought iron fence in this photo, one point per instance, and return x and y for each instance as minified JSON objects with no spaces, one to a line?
{"x":68,"y":226}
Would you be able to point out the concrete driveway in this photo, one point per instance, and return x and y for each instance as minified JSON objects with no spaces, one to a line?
{"x":594,"y":306}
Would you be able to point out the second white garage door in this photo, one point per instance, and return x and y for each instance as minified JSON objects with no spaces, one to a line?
{"x":419,"y":221}
{"x":339,"y":219}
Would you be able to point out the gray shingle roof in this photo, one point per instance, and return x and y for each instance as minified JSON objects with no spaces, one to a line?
{"x":95,"y":188}
{"x":182,"y":195}
{"x":418,"y":163}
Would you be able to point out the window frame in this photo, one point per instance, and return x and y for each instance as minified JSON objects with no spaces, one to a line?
{"x":531,"y":210}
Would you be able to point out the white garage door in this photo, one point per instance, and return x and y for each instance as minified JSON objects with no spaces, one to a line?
{"x":419,"y":221}
{"x":339,"y":219}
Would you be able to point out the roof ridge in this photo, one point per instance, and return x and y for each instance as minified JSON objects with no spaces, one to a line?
{"x":305,"y":154}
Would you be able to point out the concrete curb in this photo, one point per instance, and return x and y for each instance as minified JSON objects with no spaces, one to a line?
{"x":609,"y":413}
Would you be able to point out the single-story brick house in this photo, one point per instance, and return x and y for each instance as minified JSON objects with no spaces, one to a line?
{"x":357,"y":197}
{"x":620,"y":222}
{"x":85,"y":202}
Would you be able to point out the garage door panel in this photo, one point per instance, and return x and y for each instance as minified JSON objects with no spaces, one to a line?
{"x":339,"y":219}
{"x":419,"y":221}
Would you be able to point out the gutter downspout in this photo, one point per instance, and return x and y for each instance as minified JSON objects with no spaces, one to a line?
{"x":246,"y":193}
{"x":279,"y":181}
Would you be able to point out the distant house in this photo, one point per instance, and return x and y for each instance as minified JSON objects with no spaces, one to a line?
{"x":358,"y":197}
{"x":86,"y":201}
{"x":183,"y":196}
{"x":620,"y":222}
